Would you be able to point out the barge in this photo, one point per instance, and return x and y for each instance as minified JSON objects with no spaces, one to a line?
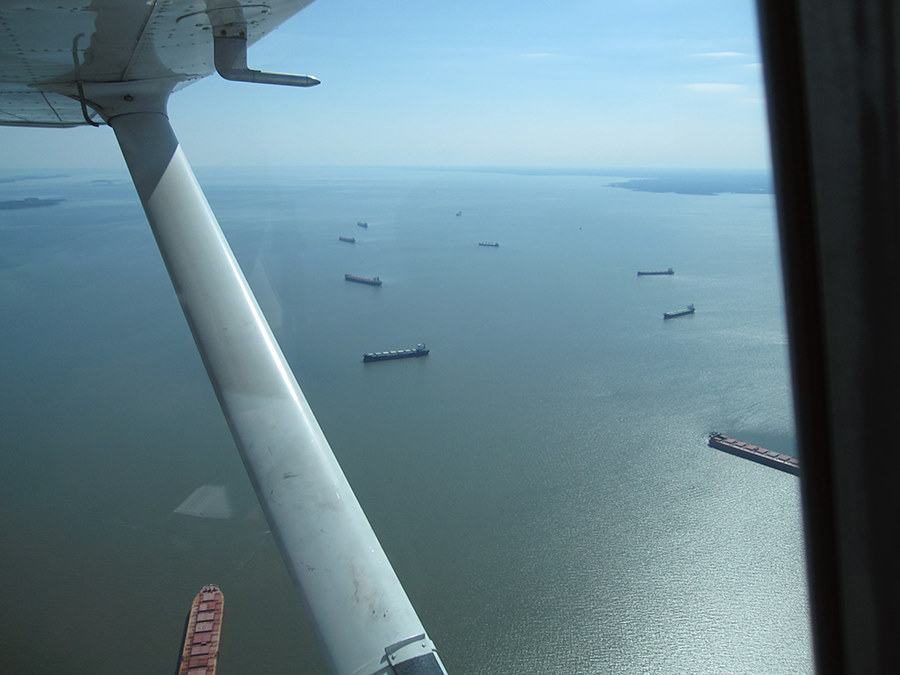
{"x":200,"y":651}
{"x":419,"y":350}
{"x":681,"y":312}
{"x":374,"y":281}
{"x":754,"y":453}
{"x":351,"y":240}
{"x":649,"y":273}
{"x":493,"y":244}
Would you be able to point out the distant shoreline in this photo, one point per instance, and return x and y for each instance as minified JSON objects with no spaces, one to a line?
{"x":709,"y":183}
{"x":28,"y":203}
{"x":16,"y":179}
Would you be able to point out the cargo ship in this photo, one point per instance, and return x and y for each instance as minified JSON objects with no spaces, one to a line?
{"x":648,"y":273}
{"x":489,"y":243}
{"x":351,"y":240}
{"x":201,"y":634}
{"x":419,"y":350}
{"x":362,"y":223}
{"x":755,"y":453}
{"x":681,"y":312}
{"x":374,"y":281}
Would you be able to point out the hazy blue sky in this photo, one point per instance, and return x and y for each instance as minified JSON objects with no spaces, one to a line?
{"x":626,"y":83}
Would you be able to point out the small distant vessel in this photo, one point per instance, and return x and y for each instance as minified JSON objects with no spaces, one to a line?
{"x":351,"y":240}
{"x":374,"y":281}
{"x":459,"y":213}
{"x":681,"y":312}
{"x":754,"y":453}
{"x":419,"y":350}
{"x":489,"y":243}
{"x":647,"y":273}
{"x":362,"y":223}
{"x":200,"y":650}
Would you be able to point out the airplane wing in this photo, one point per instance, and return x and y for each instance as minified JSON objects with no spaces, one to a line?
{"x":69,"y":62}
{"x":48,"y":48}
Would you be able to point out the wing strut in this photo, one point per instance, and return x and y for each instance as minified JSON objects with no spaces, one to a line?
{"x":364,"y":620}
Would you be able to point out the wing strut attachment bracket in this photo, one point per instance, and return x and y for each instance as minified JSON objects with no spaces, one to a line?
{"x":414,"y":655}
{"x":230,"y":46}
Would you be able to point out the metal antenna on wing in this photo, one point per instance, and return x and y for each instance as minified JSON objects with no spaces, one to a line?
{"x":230,"y":45}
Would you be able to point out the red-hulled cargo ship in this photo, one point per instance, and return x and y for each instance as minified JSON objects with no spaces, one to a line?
{"x":755,"y":453}
{"x":201,"y":636}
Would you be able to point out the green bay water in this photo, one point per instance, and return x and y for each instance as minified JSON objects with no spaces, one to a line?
{"x":540,"y":481}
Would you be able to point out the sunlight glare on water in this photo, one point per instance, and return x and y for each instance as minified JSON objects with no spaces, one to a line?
{"x":540,"y":481}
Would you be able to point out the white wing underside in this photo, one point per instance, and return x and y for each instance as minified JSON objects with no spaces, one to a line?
{"x":48,"y":47}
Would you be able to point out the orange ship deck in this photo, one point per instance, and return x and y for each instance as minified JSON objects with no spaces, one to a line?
{"x":201,"y":637}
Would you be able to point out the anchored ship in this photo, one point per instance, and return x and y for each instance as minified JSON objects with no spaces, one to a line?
{"x":374,"y":281}
{"x":419,"y":350}
{"x":647,"y":273}
{"x":681,"y":312}
{"x":201,"y":636}
{"x":755,"y":453}
{"x":489,"y":243}
{"x":352,"y":240}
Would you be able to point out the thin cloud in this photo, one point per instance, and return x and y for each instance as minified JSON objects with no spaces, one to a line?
{"x":539,"y":55}
{"x":714,"y":87}
{"x":720,"y":55}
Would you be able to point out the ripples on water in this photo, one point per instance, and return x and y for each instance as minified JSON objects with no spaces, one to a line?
{"x":540,"y":481}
